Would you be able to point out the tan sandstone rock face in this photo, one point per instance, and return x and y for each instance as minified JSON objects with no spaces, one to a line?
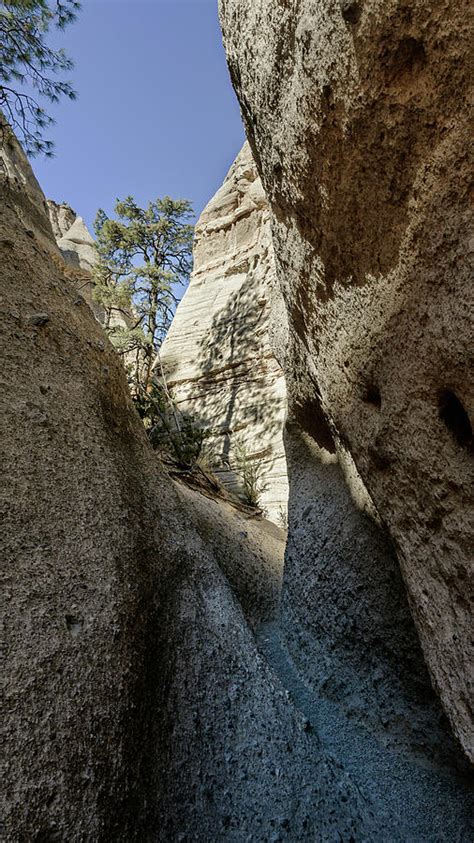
{"x":72,"y":236}
{"x":76,"y":483}
{"x":217,"y":356}
{"x":356,"y":112}
{"x":137,"y":704}
{"x":61,"y":216}
{"x":76,"y":245}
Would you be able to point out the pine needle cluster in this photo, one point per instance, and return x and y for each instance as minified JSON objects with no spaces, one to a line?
{"x":30,"y":70}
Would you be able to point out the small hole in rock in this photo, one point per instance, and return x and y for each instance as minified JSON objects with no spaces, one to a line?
{"x":74,"y":625}
{"x":409,"y":56}
{"x":435,"y":522}
{"x":351,"y":11}
{"x":455,"y":417}
{"x":327,"y":92}
{"x":372,"y":396}
{"x":379,"y":458}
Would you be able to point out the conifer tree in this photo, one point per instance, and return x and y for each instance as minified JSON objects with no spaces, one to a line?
{"x":143,"y":256}
{"x":29,"y":67}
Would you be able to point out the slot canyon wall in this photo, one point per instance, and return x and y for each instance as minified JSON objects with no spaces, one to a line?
{"x":356,"y":114}
{"x":162,"y":683}
{"x":137,"y":704}
{"x":217,"y":356}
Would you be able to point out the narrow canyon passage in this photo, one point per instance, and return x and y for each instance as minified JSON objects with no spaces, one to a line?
{"x":386,"y":779}
{"x":385,"y":757}
{"x":345,"y":648}
{"x":238,"y":541}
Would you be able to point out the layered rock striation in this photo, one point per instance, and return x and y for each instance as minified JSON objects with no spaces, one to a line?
{"x":217,"y":356}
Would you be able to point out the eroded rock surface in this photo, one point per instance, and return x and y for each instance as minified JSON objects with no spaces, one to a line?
{"x":61,"y":216}
{"x":137,"y":704}
{"x":76,"y":245}
{"x":217,"y":356}
{"x":72,"y":236}
{"x":83,"y":544}
{"x":356,"y":113}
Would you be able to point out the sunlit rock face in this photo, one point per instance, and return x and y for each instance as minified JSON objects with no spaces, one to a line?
{"x":356,"y":116}
{"x":217,"y":357}
{"x":72,"y":236}
{"x":61,"y":216}
{"x":137,"y":706}
{"x":76,"y":245}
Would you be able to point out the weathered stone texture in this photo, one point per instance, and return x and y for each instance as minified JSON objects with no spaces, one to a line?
{"x":72,"y":236}
{"x":137,"y":705}
{"x":76,"y":245}
{"x":61,"y":216}
{"x":217,"y":355}
{"x":356,"y":113}
{"x":82,"y":544}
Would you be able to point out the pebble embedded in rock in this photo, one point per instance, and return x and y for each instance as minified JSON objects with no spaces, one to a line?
{"x":39,"y":319}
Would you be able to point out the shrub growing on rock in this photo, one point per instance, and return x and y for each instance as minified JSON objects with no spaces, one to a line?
{"x":250,"y":470}
{"x":169,"y":430}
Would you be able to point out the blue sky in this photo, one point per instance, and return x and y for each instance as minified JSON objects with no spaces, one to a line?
{"x":156,"y":113}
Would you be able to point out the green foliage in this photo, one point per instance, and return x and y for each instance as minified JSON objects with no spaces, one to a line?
{"x":185,"y":442}
{"x":250,"y":471}
{"x":143,"y":255}
{"x":168,"y":429}
{"x":28,"y":67}
{"x":283,"y":518}
{"x":208,"y":458}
